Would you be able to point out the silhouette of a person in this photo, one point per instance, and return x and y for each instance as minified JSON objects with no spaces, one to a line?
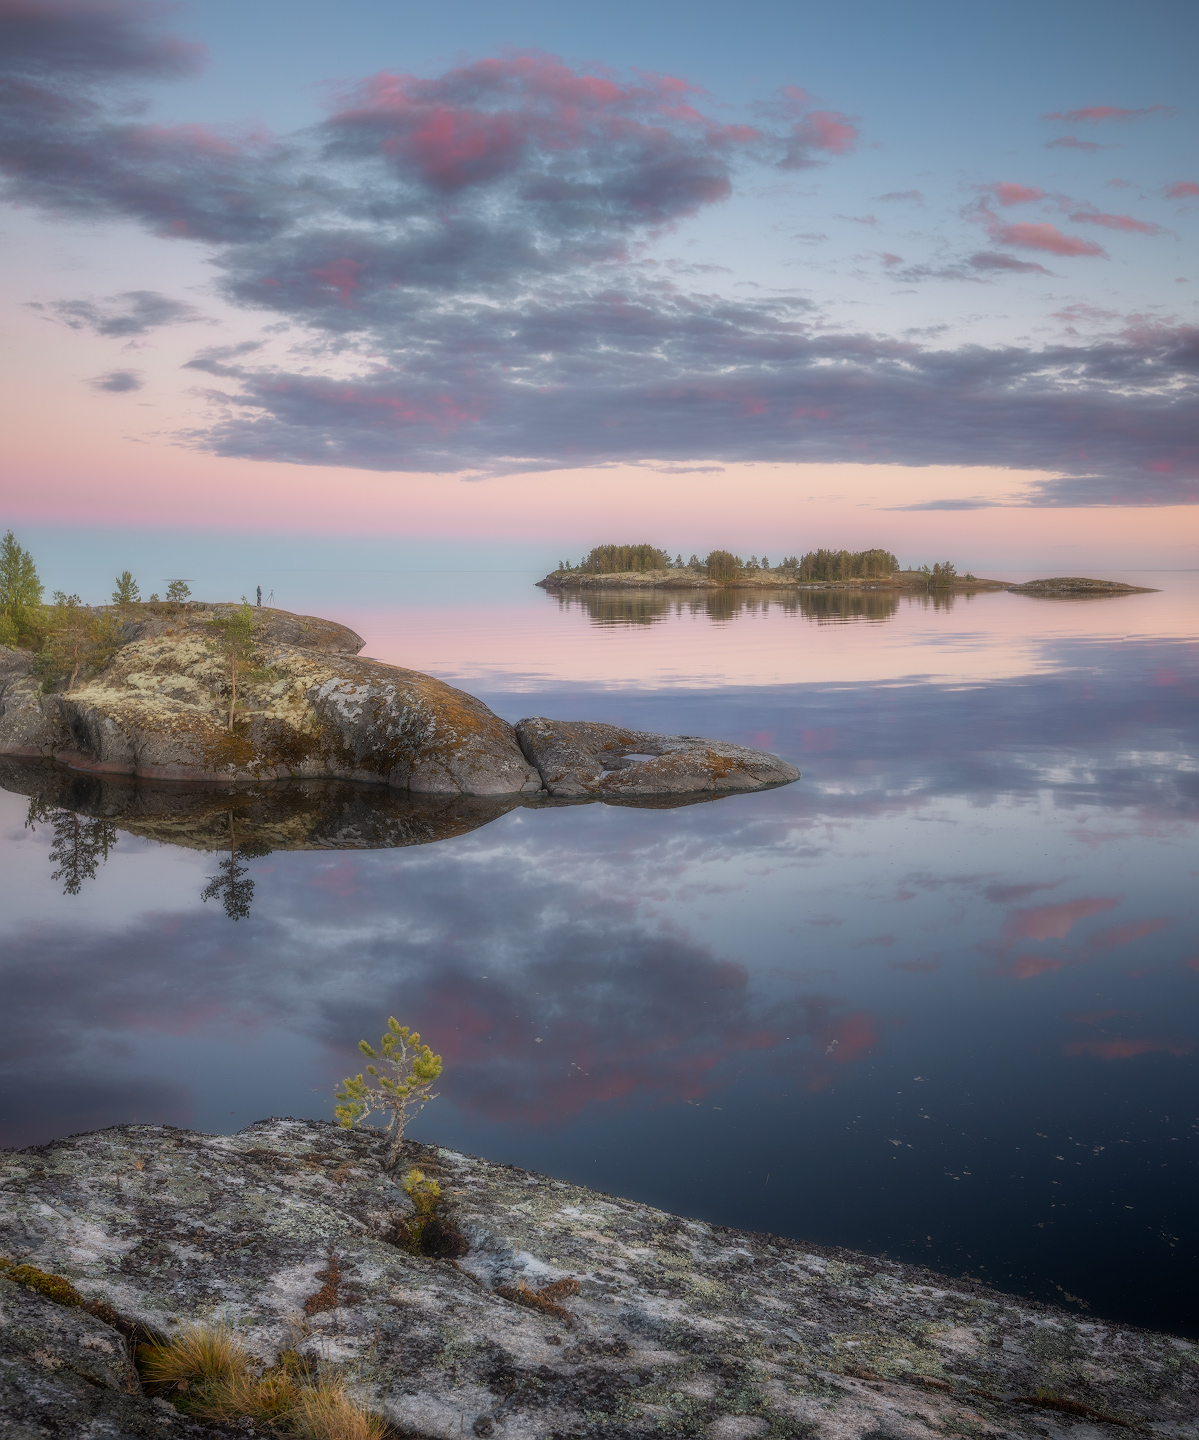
{"x":260,"y":594}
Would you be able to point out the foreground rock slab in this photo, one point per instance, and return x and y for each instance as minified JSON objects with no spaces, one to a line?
{"x":581,"y":757}
{"x":287,"y":1231}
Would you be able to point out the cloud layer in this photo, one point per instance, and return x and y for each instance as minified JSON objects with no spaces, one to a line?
{"x":462,"y":261}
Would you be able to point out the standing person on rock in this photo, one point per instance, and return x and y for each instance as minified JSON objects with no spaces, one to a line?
{"x":260,"y":595}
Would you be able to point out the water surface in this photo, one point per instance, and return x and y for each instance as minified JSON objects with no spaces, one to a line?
{"x":937,"y":998}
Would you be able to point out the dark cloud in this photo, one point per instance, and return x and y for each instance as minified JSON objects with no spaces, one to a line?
{"x":55,"y":41}
{"x":118,"y":381}
{"x":995,"y":260}
{"x":455,"y":257}
{"x":133,"y":313}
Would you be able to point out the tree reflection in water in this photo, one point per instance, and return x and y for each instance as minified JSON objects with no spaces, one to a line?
{"x":824,"y":607}
{"x":232,"y":886}
{"x":80,"y":844}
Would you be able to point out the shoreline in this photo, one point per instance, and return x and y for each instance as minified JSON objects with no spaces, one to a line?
{"x":903,"y":583}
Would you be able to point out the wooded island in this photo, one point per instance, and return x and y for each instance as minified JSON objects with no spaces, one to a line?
{"x":648,"y":567}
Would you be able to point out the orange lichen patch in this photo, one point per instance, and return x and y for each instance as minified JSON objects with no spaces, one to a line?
{"x":545,"y":1298}
{"x":721,"y":766}
{"x":326,"y":1297}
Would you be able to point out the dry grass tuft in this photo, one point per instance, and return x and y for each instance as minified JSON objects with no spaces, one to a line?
{"x":198,"y":1353}
{"x":209,"y":1375}
{"x":325,"y":1412}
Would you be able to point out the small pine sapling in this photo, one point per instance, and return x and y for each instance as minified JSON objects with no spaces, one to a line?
{"x":406,"y":1070}
{"x":237,"y":643}
{"x":126,"y":593}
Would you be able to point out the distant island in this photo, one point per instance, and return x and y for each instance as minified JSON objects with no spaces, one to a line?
{"x":609,"y":567}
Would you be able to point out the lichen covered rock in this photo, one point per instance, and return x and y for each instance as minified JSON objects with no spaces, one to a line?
{"x":309,"y":707}
{"x":571,"y":1313}
{"x":580,"y":757}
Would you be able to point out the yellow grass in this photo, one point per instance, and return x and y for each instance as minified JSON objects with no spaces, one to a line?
{"x":210,"y":1376}
{"x":198,"y":1352}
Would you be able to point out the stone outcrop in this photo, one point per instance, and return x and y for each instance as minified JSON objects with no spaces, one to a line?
{"x":1075,"y":585}
{"x":310,"y":707}
{"x":580,"y":757}
{"x":158,"y":710}
{"x":565,"y":1312}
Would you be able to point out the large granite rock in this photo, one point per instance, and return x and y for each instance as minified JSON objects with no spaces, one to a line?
{"x":581,"y":757}
{"x":656,"y":1325}
{"x":310,"y":707}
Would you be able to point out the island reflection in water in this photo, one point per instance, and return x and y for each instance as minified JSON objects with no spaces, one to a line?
{"x":937,"y":998}
{"x":825,"y":607}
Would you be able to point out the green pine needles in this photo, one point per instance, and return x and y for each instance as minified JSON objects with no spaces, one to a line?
{"x":402,"y":1079}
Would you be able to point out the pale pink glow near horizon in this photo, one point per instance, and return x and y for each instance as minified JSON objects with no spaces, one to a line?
{"x":777,"y":507}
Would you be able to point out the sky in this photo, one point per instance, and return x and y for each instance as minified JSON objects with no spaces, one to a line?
{"x":524,"y":277}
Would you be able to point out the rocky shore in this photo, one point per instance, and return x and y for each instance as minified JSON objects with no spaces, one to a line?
{"x":902,"y":582}
{"x":547,"y":1309}
{"x":310,"y":707}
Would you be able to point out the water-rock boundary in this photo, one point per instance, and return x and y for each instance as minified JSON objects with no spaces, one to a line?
{"x":308,"y":707}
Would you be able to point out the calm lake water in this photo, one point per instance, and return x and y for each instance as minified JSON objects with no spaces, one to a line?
{"x":939,"y":998}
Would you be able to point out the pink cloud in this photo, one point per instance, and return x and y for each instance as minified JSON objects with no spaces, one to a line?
{"x":1044,"y":237}
{"x":476,"y":123}
{"x":1127,"y":1049}
{"x":1010,"y":194}
{"x":1114,"y":222}
{"x":1054,"y":922}
{"x":1126,"y":934}
{"x":1028,"y":967}
{"x":1093,"y":114}
{"x":1183,"y":190}
{"x":829,"y":130}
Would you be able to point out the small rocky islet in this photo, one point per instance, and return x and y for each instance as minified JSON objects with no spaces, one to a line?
{"x":542,"y":1309}
{"x":310,"y":707}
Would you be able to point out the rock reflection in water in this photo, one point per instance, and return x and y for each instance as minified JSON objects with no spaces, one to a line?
{"x":825,"y":607}
{"x":87,"y":811}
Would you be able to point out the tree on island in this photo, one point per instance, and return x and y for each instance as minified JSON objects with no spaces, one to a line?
{"x":847,"y":565}
{"x":621,"y":559}
{"x":78,"y":638}
{"x":178,"y":591}
{"x":126,"y":593}
{"x":20,"y":594}
{"x":722,"y":565}
{"x":236,"y":643}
